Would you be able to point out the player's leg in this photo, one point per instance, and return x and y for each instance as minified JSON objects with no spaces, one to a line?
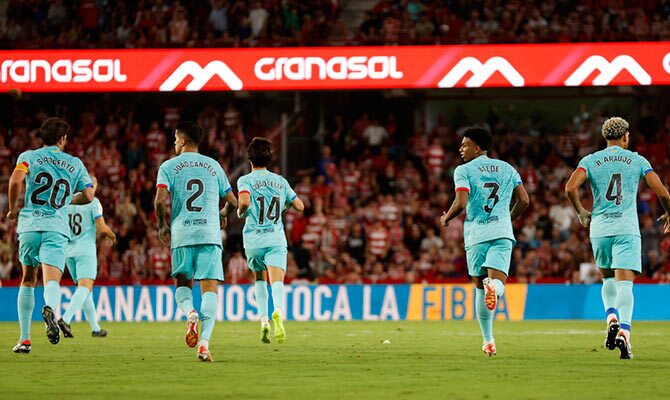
{"x":498,"y":259}
{"x":275,"y":260}
{"x":475,"y":257}
{"x":25,"y":303}
{"x":83,"y":291}
{"x":183,"y":267}
{"x":209,"y":271}
{"x":256,"y":263}
{"x":626,"y":262}
{"x":602,"y":254}
{"x":52,"y":257}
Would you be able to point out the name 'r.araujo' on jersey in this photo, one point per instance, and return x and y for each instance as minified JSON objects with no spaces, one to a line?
{"x":269,"y":195}
{"x":490,"y":184}
{"x":614,"y":176}
{"x":196,"y":183}
{"x":52,"y":178}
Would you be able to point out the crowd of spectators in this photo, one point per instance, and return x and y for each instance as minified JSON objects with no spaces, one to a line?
{"x":514,"y":21}
{"x":373,"y":199}
{"x":268,"y":23}
{"x":168,"y":23}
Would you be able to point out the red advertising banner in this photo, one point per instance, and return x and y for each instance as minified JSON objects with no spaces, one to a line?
{"x":587,"y":64}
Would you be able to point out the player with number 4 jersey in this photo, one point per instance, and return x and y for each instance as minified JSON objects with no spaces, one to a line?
{"x":485,"y":188}
{"x":51,"y":179}
{"x":614,"y":175}
{"x":264,"y":196}
{"x":194,"y":184}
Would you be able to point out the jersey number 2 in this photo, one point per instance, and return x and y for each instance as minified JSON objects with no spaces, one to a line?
{"x":493,"y":196}
{"x":615,"y":190}
{"x":199,"y":189}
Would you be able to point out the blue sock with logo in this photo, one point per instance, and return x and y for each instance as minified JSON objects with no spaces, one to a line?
{"x":52,"y":295}
{"x":484,"y":316}
{"x":90,"y":313}
{"x":208,"y":309}
{"x":278,"y":296}
{"x":25,"y":305}
{"x":625,"y":303}
{"x":76,"y":303}
{"x":261,"y":291}
{"x":609,"y":295}
{"x":184,"y":298}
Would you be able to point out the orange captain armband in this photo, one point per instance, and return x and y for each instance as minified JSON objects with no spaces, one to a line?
{"x":23,"y":166}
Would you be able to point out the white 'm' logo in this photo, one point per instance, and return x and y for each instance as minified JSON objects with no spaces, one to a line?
{"x":481,"y":72}
{"x":608,"y":71}
{"x":201,"y":76}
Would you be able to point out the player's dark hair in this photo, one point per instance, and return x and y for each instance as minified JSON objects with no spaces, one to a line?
{"x":481,"y":137}
{"x":191,"y":131}
{"x":260,"y":152}
{"x":52,"y":130}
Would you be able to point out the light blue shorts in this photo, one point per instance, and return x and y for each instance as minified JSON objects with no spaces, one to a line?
{"x":260,"y":259}
{"x":494,"y":254}
{"x":618,"y":252}
{"x":36,"y":248}
{"x":203,"y":261}
{"x":82,"y":267}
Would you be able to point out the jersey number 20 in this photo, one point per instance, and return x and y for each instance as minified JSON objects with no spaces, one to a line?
{"x":47,"y":182}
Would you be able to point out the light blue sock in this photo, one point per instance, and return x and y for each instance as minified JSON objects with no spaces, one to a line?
{"x":261,"y":290}
{"x":90,"y":313}
{"x":208,"y":308}
{"x":500,"y":287}
{"x":608,"y":293}
{"x":25,"y":305}
{"x":625,"y":303}
{"x":184,"y":297}
{"x":52,"y":295}
{"x":484,"y":316}
{"x":278,"y":296}
{"x":76,"y":303}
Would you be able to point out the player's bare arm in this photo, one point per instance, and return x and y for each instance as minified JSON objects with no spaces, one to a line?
{"x":84,"y":197}
{"x":15,"y":183}
{"x":457,"y":207}
{"x":657,"y":186}
{"x":243,"y":204}
{"x":105,"y":232}
{"x":231,"y":204}
{"x":521,"y":201}
{"x":160,"y":206}
{"x":576,"y":180}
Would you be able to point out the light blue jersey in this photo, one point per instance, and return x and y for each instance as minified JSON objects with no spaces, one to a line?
{"x":614,"y":175}
{"x":52,"y":178}
{"x":196,"y":183}
{"x":270,"y":193}
{"x":490,"y":184}
{"x":82,"y":228}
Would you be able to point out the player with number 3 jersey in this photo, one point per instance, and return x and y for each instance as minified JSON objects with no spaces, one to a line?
{"x":264,"y":196}
{"x":51,"y":178}
{"x":614,"y":174}
{"x":485,"y":188}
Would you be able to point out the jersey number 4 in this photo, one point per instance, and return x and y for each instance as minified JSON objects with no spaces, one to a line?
{"x":615,"y":190}
{"x":493,"y":196}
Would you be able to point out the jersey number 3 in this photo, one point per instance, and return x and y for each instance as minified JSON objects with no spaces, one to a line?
{"x":493,"y":196}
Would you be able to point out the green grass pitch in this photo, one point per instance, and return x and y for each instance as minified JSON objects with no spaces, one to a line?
{"x":347,"y":360}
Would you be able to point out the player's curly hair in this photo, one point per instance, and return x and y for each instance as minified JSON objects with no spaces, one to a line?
{"x":52,"y":130}
{"x":260,"y":152}
{"x":614,"y":128}
{"x":481,"y":137}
